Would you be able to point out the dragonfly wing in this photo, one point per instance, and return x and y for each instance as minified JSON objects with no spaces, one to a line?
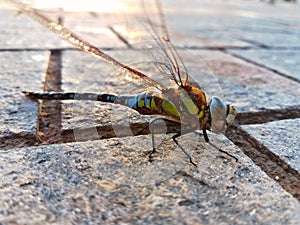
{"x":156,"y":26}
{"x":76,"y":41}
{"x":173,"y":62}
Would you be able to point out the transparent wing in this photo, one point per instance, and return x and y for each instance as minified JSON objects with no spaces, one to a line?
{"x":76,"y":41}
{"x":172,"y":64}
{"x":182,"y":66}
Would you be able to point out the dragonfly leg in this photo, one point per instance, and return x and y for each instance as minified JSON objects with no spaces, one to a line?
{"x":151,"y":128}
{"x":153,"y":147}
{"x":182,"y":149}
{"x":226,"y":153}
{"x":219,"y":149}
{"x":205,"y":135}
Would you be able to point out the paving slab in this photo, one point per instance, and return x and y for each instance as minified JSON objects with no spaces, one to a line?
{"x":271,"y":39}
{"x":284,"y":61}
{"x":84,"y":183}
{"x":94,"y":27}
{"x":249,"y":87}
{"x":208,"y":31}
{"x":20,"y":71}
{"x":280,"y":137}
{"x":234,"y":23}
{"x":20,"y":32}
{"x":25,"y":33}
{"x":112,"y":181}
{"x":240,"y":71}
{"x":238,"y":24}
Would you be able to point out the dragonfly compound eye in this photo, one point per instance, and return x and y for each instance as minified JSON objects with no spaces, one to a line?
{"x":218,"y":114}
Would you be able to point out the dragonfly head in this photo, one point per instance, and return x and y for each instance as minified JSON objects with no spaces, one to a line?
{"x":221,"y":114}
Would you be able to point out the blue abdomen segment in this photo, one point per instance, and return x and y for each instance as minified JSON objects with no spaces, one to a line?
{"x":142,"y":100}
{"x":147,"y":103}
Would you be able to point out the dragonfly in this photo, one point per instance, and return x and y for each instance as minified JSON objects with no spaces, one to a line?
{"x":182,"y":103}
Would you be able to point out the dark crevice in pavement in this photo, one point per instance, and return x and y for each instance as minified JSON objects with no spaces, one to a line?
{"x":268,"y":115}
{"x":49,"y":118}
{"x":219,"y":48}
{"x":47,"y":49}
{"x":97,"y":132}
{"x":19,"y":140}
{"x":255,"y":43}
{"x":108,"y":131}
{"x":270,"y":163}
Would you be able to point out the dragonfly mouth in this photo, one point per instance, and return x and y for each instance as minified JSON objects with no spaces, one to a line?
{"x":231,"y":113}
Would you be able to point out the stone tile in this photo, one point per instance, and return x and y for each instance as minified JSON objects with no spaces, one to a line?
{"x":237,"y":70}
{"x":282,"y":39}
{"x":94,"y":27}
{"x":280,"y":137}
{"x":17,"y":32}
{"x":230,"y":84}
{"x":20,"y":32}
{"x":20,"y":71}
{"x":284,"y":61}
{"x":184,"y":32}
{"x":107,"y":181}
{"x":235,"y":24}
{"x":250,"y":88}
{"x":111,"y":180}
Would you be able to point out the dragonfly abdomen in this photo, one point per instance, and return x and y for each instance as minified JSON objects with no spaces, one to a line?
{"x":145,"y":103}
{"x":71,"y":96}
{"x":144,"y":100}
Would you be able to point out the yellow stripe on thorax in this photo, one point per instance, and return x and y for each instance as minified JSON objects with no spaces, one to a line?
{"x":201,"y":113}
{"x":170,"y":108}
{"x":189,"y":104}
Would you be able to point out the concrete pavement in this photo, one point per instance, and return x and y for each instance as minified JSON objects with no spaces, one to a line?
{"x":79,"y":163}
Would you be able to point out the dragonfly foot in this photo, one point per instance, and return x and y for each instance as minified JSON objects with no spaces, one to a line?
{"x":151,"y":155}
{"x":182,"y":149}
{"x":226,"y":153}
{"x":205,"y":135}
{"x":194,"y":164}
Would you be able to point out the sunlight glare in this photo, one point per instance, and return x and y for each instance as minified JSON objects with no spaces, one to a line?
{"x":80,"y":6}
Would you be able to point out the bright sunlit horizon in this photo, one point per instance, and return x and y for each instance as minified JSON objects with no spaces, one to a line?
{"x":87,"y":5}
